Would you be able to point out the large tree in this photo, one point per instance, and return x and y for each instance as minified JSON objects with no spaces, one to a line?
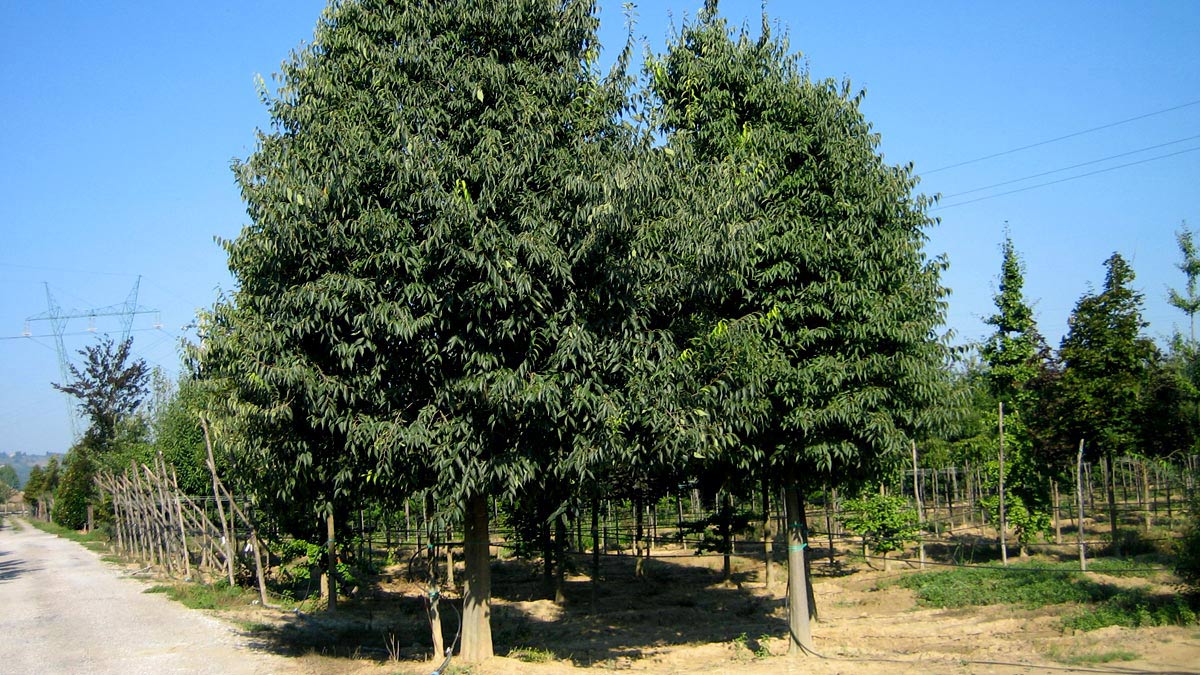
{"x":821,"y":355}
{"x":421,"y":299}
{"x":1105,"y":359}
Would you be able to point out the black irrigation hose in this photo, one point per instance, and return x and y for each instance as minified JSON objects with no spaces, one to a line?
{"x":1012,"y":664}
{"x":430,"y":596}
{"x":1016,"y":568}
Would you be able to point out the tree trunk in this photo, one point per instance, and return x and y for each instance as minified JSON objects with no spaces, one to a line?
{"x":331,"y":559}
{"x":560,"y":560}
{"x":808,"y":584}
{"x":1170,"y":513}
{"x":595,"y":550}
{"x":639,"y":569}
{"x":547,"y":558}
{"x":830,"y":498}
{"x":1057,"y":520}
{"x":727,"y":537}
{"x":1002,"y":523}
{"x":1079,"y":495}
{"x":1144,"y":496}
{"x":799,"y":623}
{"x":477,"y":607}
{"x":435,"y":627}
{"x":679,"y":521}
{"x":649,"y":547}
{"x":449,"y":557}
{"x":953,"y":495}
{"x":768,"y":535}
{"x":577,"y":524}
{"x":1112,"y":503}
{"x":917,"y":496}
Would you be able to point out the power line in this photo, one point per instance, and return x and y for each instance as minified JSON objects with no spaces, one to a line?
{"x":87,"y":332}
{"x":1063,"y":180}
{"x":1073,"y":166}
{"x":73,"y":270}
{"x":1061,"y":138}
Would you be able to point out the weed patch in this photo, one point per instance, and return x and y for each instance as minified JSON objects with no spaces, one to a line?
{"x":1076,"y":658}
{"x":1037,"y":585}
{"x":254,"y":627}
{"x":1030,"y":586}
{"x":94,"y":540}
{"x":1133,"y":609}
{"x":532,"y":655}
{"x":200,"y":596}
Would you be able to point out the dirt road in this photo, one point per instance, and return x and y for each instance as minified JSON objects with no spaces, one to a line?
{"x":62,"y":610}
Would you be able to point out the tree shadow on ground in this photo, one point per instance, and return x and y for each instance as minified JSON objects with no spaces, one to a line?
{"x":11,"y":568}
{"x":625,"y":618}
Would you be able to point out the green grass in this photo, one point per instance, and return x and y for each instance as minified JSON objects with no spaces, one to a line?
{"x":200,"y":596}
{"x":1133,"y":609}
{"x":94,"y":540}
{"x":1035,"y":585}
{"x":532,"y":655}
{"x":1029,"y":586}
{"x":1075,"y":658}
{"x":254,"y":627}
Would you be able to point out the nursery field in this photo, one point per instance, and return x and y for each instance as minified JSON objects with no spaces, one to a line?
{"x":681,"y":617}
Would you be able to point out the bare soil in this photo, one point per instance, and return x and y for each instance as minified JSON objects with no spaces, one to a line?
{"x":681,"y":618}
{"x":64,"y":611}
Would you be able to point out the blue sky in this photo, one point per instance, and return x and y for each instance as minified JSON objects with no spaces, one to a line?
{"x":119,"y":121}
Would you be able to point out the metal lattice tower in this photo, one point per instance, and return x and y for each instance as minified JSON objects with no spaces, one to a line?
{"x":54,"y":314}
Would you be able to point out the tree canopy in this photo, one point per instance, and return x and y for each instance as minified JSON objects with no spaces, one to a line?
{"x":1105,"y":357}
{"x":418,"y":303}
{"x":110,"y":387}
{"x":819,"y":348}
{"x":468,"y":274}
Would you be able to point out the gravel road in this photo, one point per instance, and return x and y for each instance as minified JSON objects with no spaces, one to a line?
{"x":62,"y":610}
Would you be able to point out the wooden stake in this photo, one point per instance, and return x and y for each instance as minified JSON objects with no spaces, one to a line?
{"x":1079,"y":493}
{"x":1003,"y":541}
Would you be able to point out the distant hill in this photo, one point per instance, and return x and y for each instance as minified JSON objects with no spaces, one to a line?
{"x":23,"y":463}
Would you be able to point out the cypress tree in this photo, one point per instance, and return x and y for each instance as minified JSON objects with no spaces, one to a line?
{"x":1105,"y":359}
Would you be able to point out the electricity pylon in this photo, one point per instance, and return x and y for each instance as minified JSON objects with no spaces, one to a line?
{"x":58,"y":325}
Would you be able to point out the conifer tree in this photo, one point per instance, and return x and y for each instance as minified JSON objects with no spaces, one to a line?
{"x":1013,"y":355}
{"x":1188,"y":301}
{"x":1105,"y":359}
{"x":1012,"y":351}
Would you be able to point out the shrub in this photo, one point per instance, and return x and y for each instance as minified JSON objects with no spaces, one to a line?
{"x":885,"y":523}
{"x":1027,"y":524}
{"x":75,"y":491}
{"x":1187,"y":550}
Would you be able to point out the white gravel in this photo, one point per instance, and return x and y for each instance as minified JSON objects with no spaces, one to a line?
{"x":62,"y":610}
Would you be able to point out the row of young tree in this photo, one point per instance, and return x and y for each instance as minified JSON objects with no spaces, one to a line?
{"x":480,"y":271}
{"x":1108,"y":391}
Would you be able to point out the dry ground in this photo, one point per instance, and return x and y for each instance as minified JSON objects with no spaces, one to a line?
{"x":682,"y":619}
